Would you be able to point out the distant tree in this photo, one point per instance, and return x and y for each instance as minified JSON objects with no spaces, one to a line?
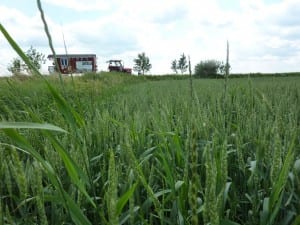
{"x":15,"y":66}
{"x":18,"y":66}
{"x":142,"y":63}
{"x":209,"y":68}
{"x":182,"y":64}
{"x":36,"y":58}
{"x":224,"y":68}
{"x":174,"y":66}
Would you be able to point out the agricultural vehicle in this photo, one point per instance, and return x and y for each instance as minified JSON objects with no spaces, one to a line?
{"x":118,"y":66}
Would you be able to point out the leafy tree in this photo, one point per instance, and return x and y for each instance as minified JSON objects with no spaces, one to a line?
{"x":174,"y":66}
{"x":36,"y":58}
{"x":142,"y":63}
{"x":15,"y":66}
{"x":210,"y":68}
{"x":224,"y":68}
{"x":182,"y":64}
{"x":18,"y":66}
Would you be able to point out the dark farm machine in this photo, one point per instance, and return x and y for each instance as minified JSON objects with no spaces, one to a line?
{"x":117,"y":66}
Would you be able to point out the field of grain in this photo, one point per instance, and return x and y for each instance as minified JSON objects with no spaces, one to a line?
{"x":117,"y":149}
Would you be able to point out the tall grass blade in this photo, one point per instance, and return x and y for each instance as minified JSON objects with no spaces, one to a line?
{"x":112,"y":192}
{"x":76,"y":174}
{"x":49,"y":39}
{"x":72,"y":117}
{"x":77,"y":215}
{"x":124,"y":198}
{"x":271,"y":205}
{"x":28,"y":125}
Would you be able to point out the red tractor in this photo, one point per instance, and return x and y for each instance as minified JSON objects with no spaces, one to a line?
{"x":118,"y":66}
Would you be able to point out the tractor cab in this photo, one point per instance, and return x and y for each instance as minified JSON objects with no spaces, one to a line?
{"x":117,"y":66}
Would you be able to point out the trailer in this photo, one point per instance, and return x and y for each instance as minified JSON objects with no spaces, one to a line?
{"x":73,"y":63}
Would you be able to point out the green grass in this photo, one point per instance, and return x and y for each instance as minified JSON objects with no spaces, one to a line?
{"x":143,"y":154}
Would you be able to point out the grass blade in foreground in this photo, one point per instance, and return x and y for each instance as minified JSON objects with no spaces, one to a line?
{"x":78,"y":217}
{"x":28,"y":125}
{"x":275,"y":200}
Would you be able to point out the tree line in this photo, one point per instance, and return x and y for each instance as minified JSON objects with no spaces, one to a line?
{"x":204,"y":69}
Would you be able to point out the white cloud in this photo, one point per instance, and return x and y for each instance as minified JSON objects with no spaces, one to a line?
{"x":79,"y":5}
{"x":263,"y":37}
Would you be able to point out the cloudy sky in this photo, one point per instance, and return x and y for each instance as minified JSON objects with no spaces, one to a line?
{"x":264,"y":35}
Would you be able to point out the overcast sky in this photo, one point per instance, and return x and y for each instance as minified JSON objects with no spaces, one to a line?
{"x":264,"y":35}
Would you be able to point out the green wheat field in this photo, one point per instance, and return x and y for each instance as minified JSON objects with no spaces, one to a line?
{"x":112,"y":148}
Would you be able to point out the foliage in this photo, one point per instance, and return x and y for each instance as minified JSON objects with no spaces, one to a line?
{"x":210,"y":68}
{"x":174,"y":66}
{"x":36,"y":58}
{"x":180,"y":64}
{"x":17,"y":65}
{"x":142,"y":64}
